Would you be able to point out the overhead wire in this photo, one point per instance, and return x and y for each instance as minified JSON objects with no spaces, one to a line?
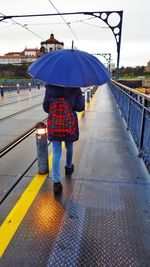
{"x":93,"y":25}
{"x":55,"y":23}
{"x":23,"y":26}
{"x":67,"y":23}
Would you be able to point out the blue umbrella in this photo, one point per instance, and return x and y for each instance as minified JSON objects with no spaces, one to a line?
{"x":69,"y":68}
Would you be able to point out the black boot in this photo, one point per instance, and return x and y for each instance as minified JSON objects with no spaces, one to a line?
{"x":57,"y":187}
{"x":70,"y":170}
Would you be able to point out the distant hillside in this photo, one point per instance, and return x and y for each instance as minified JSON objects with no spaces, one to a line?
{"x":8,"y":71}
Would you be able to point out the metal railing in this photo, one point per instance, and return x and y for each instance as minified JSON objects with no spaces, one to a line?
{"x":18,"y":84}
{"x":135,"y":108}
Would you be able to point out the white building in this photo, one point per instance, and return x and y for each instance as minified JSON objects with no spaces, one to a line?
{"x":51,"y":44}
{"x":28,"y":55}
{"x":31,"y":52}
{"x":148,"y":66}
{"x":112,"y":66}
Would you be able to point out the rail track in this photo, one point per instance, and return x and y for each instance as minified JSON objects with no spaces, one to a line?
{"x":20,"y":100}
{"x":18,"y":140}
{"x":9,"y":147}
{"x":19,"y":112}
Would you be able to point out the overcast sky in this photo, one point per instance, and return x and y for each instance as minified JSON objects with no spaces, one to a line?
{"x":88,"y":33}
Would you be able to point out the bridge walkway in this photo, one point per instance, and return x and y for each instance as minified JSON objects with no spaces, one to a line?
{"x":102,"y":217}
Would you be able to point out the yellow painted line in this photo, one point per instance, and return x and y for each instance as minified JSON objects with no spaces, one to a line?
{"x":80,"y":115}
{"x":16,"y":215}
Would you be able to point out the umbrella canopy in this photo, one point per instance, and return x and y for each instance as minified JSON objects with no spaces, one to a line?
{"x":69,"y":68}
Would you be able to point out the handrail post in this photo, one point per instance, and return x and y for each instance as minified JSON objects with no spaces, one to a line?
{"x":128,"y":112}
{"x":88,"y":95}
{"x":145,"y":104}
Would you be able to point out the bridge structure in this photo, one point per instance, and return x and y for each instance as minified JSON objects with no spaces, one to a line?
{"x":102,"y":217}
{"x":105,"y":16}
{"x":107,"y":57}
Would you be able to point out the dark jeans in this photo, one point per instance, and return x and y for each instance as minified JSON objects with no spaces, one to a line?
{"x":57,"y":152}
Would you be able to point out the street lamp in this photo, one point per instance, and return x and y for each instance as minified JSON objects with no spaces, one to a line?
{"x":42,"y":147}
{"x":18,"y":88}
{"x":29,"y":84}
{"x":2,"y":91}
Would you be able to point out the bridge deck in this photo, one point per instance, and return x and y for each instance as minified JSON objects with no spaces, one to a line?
{"x":103,"y":216}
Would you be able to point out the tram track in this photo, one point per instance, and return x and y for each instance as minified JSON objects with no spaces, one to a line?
{"x":9,"y":147}
{"x":17,"y":182}
{"x":19,"y":112}
{"x":20,"y":100}
{"x":18,"y":140}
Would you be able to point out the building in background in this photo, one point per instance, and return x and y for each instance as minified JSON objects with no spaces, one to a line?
{"x":148,"y":66}
{"x":112,"y":66}
{"x":29,"y":55}
{"x":51,"y":44}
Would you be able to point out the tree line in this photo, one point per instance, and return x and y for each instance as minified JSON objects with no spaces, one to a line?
{"x":9,"y":71}
{"x":131,"y":72}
